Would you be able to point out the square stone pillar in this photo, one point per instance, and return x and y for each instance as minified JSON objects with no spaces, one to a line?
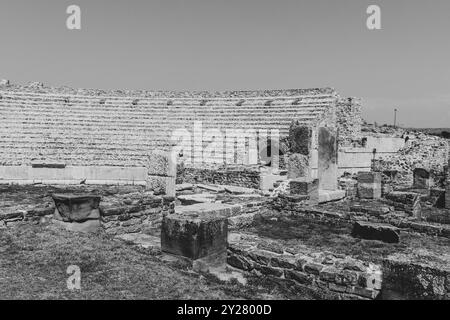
{"x":369,"y":185}
{"x":201,"y":236}
{"x":328,"y":159}
{"x":299,"y":162}
{"x":306,"y":186}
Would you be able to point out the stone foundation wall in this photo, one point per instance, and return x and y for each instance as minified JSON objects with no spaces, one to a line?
{"x":299,"y":206}
{"x":247,"y":177}
{"x":345,"y":277}
{"x":429,"y":279}
{"x":120,"y":213}
{"x":134,"y":213}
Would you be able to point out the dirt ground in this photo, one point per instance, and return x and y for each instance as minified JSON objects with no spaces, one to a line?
{"x":293,"y":231}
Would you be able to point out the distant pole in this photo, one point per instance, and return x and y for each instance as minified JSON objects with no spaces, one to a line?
{"x":395,"y":118}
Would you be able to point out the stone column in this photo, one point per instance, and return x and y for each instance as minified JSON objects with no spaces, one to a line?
{"x":328,"y":158}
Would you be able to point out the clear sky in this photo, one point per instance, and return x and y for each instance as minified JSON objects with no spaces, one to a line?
{"x":240,"y":44}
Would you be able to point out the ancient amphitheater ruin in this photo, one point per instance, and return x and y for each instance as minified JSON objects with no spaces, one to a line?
{"x":288,"y":186}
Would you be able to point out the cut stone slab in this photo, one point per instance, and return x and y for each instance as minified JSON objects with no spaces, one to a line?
{"x":196,"y":198}
{"x":330,"y":196}
{"x":238,"y":190}
{"x":76,"y":207}
{"x":204,"y":209}
{"x":194,"y":235}
{"x":212,"y":188}
{"x":376,"y":231}
{"x":184,"y":187}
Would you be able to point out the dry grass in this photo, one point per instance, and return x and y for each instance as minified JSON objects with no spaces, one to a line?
{"x":34,"y":260}
{"x":292,"y":231}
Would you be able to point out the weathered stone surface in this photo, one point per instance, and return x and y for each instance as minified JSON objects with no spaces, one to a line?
{"x":376,"y":231}
{"x":307,"y":187}
{"x":184,"y":186}
{"x":424,"y":276}
{"x":76,"y":207}
{"x":238,"y":190}
{"x":369,"y":185}
{"x":406,"y":201}
{"x":300,"y":137}
{"x":305,"y":267}
{"x":331,"y":195}
{"x":298,"y":166}
{"x":421,"y":178}
{"x":189,"y":199}
{"x":327,"y":158}
{"x":194,"y":235}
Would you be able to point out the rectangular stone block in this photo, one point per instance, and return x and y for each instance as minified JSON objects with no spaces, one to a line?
{"x":194,"y":235}
{"x":306,"y":186}
{"x":76,"y":207}
{"x":369,"y":185}
{"x":369,"y":177}
{"x":376,"y":231}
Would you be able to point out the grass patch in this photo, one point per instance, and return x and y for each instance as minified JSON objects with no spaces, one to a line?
{"x":34,"y":260}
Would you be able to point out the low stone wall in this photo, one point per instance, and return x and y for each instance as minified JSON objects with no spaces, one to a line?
{"x":383,"y":214}
{"x":408,"y":202}
{"x":120,"y":213}
{"x":247,"y":177}
{"x":342,"y":276}
{"x":135,"y":213}
{"x":427,"y":279}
